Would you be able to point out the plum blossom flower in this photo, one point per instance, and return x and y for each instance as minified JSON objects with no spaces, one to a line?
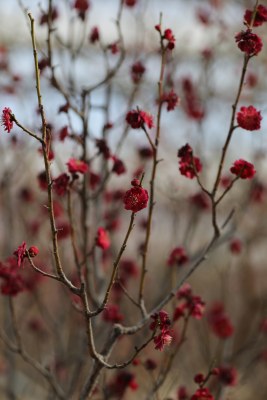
{"x":249,"y":118}
{"x":243,"y":169}
{"x":249,"y":42}
{"x":135,"y":199}
{"x":189,"y":165}
{"x":20,"y":253}
{"x":138,"y":119}
{"x":75,"y":166}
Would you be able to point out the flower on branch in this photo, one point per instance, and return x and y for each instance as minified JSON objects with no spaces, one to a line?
{"x":249,"y":42}
{"x":171,"y":99}
{"x":249,"y":118}
{"x":6,"y":119}
{"x":135,"y":199}
{"x":138,"y":118}
{"x":75,"y":166}
{"x":168,"y":35}
{"x":189,"y":165}
{"x":162,"y":322}
{"x":102,"y":239}
{"x":260,"y":16}
{"x":20,"y":253}
{"x":243,"y":169}
{"x":33,"y":251}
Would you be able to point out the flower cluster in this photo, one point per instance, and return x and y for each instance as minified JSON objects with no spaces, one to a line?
{"x":202,"y":394}
{"x":135,"y":199}
{"x":169,"y":36}
{"x":249,"y":118}
{"x":21,"y":253}
{"x":243,"y":169}
{"x":138,"y":119}
{"x":249,"y":42}
{"x":191,"y":306}
{"x":120,"y":383}
{"x":13,"y":282}
{"x":189,"y":165}
{"x":219,"y":321}
{"x":162,"y":322}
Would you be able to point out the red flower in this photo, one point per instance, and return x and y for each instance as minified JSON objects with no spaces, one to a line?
{"x":77,"y":166}
{"x":220,"y":322}
{"x":138,"y":118}
{"x":249,"y":118}
{"x":200,"y":200}
{"x":193,"y":304}
{"x":94,"y":35}
{"x":60,"y":184}
{"x":112,"y":314}
{"x":103,"y":148}
{"x":161,"y":320}
{"x":118,"y":166}
{"x":130,"y":3}
{"x":202,"y":394}
{"x":178,"y":256}
{"x":135,"y":199}
{"x":33,"y":251}
{"x":63,"y":133}
{"x":137,"y":71}
{"x":249,"y":42}
{"x":20,"y":253}
{"x":102,"y":240}
{"x":260,"y":17}
{"x":168,"y":35}
{"x":243,"y":169}
{"x":163,"y":339}
{"x":44,"y":16}
{"x":171,"y":99}
{"x":81,"y":5}
{"x":227,"y":375}
{"x":6,"y":119}
{"x":119,"y":385}
{"x":189,"y":164}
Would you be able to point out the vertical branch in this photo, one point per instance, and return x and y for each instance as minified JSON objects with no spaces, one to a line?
{"x":152,"y":179}
{"x":45,"y":149}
